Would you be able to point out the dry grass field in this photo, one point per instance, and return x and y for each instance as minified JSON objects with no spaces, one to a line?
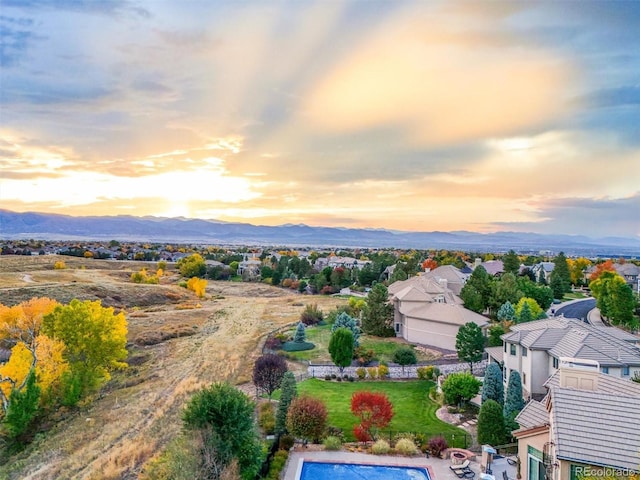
{"x":139,"y":410}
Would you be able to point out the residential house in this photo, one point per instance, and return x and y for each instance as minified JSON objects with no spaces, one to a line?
{"x":426,"y":311}
{"x":449,"y":276}
{"x":495,"y":268}
{"x":334,"y":261}
{"x":586,"y":425}
{"x":542,"y":271}
{"x":534,"y":350}
{"x":631,"y":273}
{"x":249,"y":267}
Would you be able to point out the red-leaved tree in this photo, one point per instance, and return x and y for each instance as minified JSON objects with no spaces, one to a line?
{"x":374,"y":410}
{"x":307,"y":418}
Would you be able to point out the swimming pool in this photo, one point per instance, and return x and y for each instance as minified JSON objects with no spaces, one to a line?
{"x":356,"y":471}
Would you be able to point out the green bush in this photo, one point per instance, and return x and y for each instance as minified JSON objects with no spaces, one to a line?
{"x":406,"y":446}
{"x":361,"y":373}
{"x":277,"y":464}
{"x":430,"y":372}
{"x":381,"y":447}
{"x":383,"y":371}
{"x":267,"y":418}
{"x":332,"y":443}
{"x":297,"y":346}
{"x":286,"y":442}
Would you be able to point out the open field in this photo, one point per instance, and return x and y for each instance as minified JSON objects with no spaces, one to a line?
{"x":139,"y":411}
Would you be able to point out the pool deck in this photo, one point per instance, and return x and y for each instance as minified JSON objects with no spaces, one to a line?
{"x":438,"y":468}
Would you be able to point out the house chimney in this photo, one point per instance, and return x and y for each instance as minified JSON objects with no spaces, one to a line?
{"x":443,"y":283}
{"x":579,"y":373}
{"x":477,"y":263}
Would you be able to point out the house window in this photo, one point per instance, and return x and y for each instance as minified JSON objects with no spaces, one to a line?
{"x":625,"y":371}
{"x":555,"y":362}
{"x":505,"y":348}
{"x":397,"y":328}
{"x":524,"y":350}
{"x":524,"y":378}
{"x":512,"y":348}
{"x":605,"y":369}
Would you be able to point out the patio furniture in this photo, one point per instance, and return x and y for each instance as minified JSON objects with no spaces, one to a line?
{"x":462,"y":470}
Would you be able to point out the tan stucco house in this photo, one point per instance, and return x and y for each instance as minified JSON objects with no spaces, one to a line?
{"x":427,"y":312}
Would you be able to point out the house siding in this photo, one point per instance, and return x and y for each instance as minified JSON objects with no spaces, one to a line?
{"x":425,"y":332}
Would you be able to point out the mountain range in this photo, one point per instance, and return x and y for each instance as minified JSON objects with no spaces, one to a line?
{"x":15,"y":225}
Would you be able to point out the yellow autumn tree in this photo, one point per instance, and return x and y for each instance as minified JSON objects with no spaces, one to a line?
{"x":22,"y":322}
{"x":198,"y":286}
{"x":50,"y":366}
{"x":95,"y":339}
{"x":13,"y":374}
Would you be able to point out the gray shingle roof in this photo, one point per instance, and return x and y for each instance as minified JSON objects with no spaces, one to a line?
{"x":596,"y":428}
{"x":606,"y":384}
{"x":534,"y":414}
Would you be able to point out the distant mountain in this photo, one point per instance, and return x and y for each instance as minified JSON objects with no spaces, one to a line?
{"x":184,"y":230}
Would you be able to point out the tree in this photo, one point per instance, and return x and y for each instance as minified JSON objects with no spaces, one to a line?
{"x":577,"y":268}
{"x":492,"y":387}
{"x":560,"y":281}
{"x":405,"y":355}
{"x":495,"y":332}
{"x":15,"y":373}
{"x":535,"y":312}
{"x":459,"y":388}
{"x":300,"y":335}
{"x":94,"y":337}
{"x":197,"y":286}
{"x":477,"y":291}
{"x":192,"y":266}
{"x":606,"y":266}
{"x":341,"y":347}
{"x":288,"y":391}
{"x":506,"y":312}
{"x":374,"y":410}
{"x":511,"y":263}
{"x":491,"y":424}
{"x":23,"y":406}
{"x":344,"y":320}
{"x":470,"y":344}
{"x":514,"y":402}
{"x":614,"y":298}
{"x":542,"y":294}
{"x":525,"y":314}
{"x":224,"y":415}
{"x":268,"y":372}
{"x":505,"y":290}
{"x":22,"y":322}
{"x":377,"y":314}
{"x":307,"y":418}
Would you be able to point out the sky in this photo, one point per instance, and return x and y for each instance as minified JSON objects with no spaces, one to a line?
{"x":415,"y":116}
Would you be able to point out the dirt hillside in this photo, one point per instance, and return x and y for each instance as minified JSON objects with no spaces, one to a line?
{"x":139,"y":411}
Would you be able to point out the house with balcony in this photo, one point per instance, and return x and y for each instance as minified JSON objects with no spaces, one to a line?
{"x":427,"y":312}
{"x":534,"y":350}
{"x":586,"y":426}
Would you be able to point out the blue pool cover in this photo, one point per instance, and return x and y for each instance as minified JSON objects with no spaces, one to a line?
{"x":352,"y":471}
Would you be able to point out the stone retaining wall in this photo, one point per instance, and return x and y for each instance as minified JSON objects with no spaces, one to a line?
{"x":395,"y":371}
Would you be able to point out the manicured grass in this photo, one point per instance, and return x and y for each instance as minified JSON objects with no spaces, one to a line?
{"x":413,"y":410}
{"x":321,"y":335}
{"x":573,"y":296}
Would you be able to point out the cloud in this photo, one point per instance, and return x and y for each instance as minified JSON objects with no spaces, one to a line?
{"x":596,"y":217}
{"x":16,"y":38}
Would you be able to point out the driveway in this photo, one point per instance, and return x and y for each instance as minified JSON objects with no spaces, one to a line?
{"x":575,"y":309}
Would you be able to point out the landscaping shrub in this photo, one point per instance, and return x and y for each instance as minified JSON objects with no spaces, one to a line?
{"x":277,"y":464}
{"x":297,"y":346}
{"x":408,"y":435}
{"x":373,"y":372}
{"x":332,"y":443}
{"x":286,"y":442}
{"x":383,"y":371}
{"x":361,"y":373}
{"x":273,"y":343}
{"x":267,"y":418}
{"x":405,"y":446}
{"x":311,"y":315}
{"x":364,"y":356}
{"x":437,"y":445}
{"x":381,"y":447}
{"x":332,"y":431}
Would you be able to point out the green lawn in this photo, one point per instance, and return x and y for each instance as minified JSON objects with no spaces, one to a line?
{"x":414,"y":411}
{"x":320,"y":336}
{"x":573,"y":296}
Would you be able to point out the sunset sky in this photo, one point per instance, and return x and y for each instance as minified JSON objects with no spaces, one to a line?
{"x":417,"y":116}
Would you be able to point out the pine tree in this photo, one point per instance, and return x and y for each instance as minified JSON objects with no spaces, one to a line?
{"x":470,"y":343}
{"x":492,"y":387}
{"x":300,"y":335}
{"x":560,"y":281}
{"x":377,"y":315}
{"x":525,"y":314}
{"x":491,"y":429}
{"x":341,"y":347}
{"x":344,"y":320}
{"x":514,"y":402}
{"x":23,"y":406}
{"x":511,"y":262}
{"x":506,"y":312}
{"x":288,"y":391}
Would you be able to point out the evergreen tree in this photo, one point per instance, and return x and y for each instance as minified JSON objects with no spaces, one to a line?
{"x":514,"y":402}
{"x":525,"y":314}
{"x":344,"y":320}
{"x":506,"y":312}
{"x":300,"y":335}
{"x":377,"y":314}
{"x":288,"y":391}
{"x":341,"y":347}
{"x":560,"y":281}
{"x":491,"y":429}
{"x":505,"y":290}
{"x":495,"y":332}
{"x":511,"y":262}
{"x":405,"y":355}
{"x":479,"y":284}
{"x":492,"y":387}
{"x":470,"y":344}
{"x":23,"y":406}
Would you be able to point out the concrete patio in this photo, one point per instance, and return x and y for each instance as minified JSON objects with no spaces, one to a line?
{"x":438,"y":468}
